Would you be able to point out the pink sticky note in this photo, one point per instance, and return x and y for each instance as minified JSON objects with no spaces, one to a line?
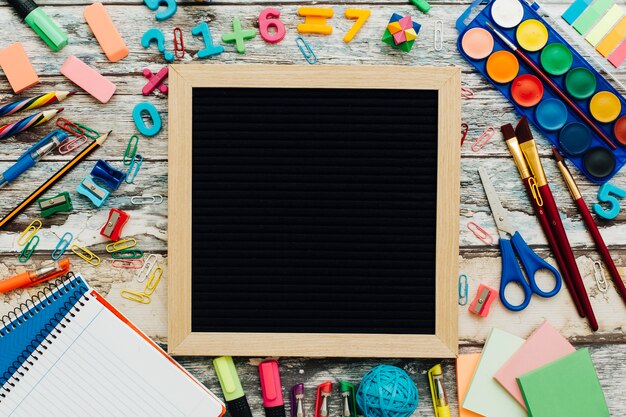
{"x":88,"y":79}
{"x":619,"y":55}
{"x":544,"y":346}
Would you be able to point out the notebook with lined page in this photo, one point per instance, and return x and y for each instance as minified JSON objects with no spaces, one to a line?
{"x":79,"y":356}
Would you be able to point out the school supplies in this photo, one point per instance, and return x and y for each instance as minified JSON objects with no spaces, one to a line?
{"x":306,"y":50}
{"x":515,"y":248}
{"x":131,"y":150}
{"x":590,"y":223}
{"x":482,"y":302}
{"x":28,"y":249}
{"x":155,"y":81}
{"x":105,"y":32}
{"x":53,"y":179}
{"x":112,"y":229}
{"x":271,"y":389}
{"x":58,"y":203}
{"x":34,"y":102}
{"x":202,"y":29}
{"x":140,"y":124}
{"x":163,"y":14}
{"x":465,"y":367}
{"x":146,"y":199}
{"x":122,"y":245}
{"x":598,"y":275}
{"x":30,"y":231}
{"x":70,"y":333}
{"x":154,"y":34}
{"x":348,"y":393}
{"x":46,"y":272}
{"x":568,"y":387}
{"x":60,"y":248}
{"x":422,"y":5}
{"x":387,"y":391}
{"x":269,"y":18}
{"x":322,"y":396}
{"x":610,"y":194}
{"x":88,"y":79}
{"x":574,"y":10}
{"x":133,"y":169}
{"x":39,"y":21}
{"x":86,"y":255}
{"x":144,"y":272}
{"x":236,"y":401}
{"x":315,"y":20}
{"x":480,"y":233}
{"x":112,"y":177}
{"x":463,"y":289}
{"x":179,"y":43}
{"x":27,"y":122}
{"x":297,"y":401}
{"x":96,"y":194}
{"x":401,"y":32}
{"x":438,"y":392}
{"x":361,"y":17}
{"x":591,"y":15}
{"x":238,"y":36}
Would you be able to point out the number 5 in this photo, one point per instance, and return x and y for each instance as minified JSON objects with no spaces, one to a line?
{"x":606,"y":194}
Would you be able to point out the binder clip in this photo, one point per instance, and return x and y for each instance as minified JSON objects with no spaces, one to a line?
{"x":349,"y":399}
{"x":50,"y":206}
{"x":324,"y":390}
{"x":109,"y":175}
{"x":482,"y":302}
{"x":92,"y":191}
{"x":297,"y":400}
{"x":114,"y":225}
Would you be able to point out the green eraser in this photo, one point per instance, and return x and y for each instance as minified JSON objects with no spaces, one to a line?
{"x":47,"y":29}
{"x":422,"y":5}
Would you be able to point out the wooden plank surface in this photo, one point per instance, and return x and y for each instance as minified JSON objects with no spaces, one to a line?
{"x":149,"y":223}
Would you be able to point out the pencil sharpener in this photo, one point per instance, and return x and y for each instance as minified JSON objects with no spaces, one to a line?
{"x":107,"y":174}
{"x":58,"y":203}
{"x":482,"y":302}
{"x":92,"y":191}
{"x":115,"y":223}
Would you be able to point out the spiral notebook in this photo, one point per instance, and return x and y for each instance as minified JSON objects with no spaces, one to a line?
{"x":68,"y":352}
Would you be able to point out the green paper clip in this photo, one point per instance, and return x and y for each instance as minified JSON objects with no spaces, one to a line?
{"x":131,"y":150}
{"x":60,"y":202}
{"x":128,"y":254}
{"x":349,"y":399}
{"x":89,"y":132}
{"x":27,"y":252}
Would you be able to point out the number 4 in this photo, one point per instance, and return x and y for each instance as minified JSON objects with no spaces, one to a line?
{"x":606,"y":194}
{"x":361,"y":16}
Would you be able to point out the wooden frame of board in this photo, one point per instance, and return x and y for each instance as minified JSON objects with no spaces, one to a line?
{"x":181,"y":339}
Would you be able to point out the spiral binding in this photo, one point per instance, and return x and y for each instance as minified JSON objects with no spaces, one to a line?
{"x":55,"y":326}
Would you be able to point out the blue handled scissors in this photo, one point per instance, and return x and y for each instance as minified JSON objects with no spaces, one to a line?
{"x":511,"y":270}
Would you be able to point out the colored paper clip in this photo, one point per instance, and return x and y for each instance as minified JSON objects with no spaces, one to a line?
{"x":464,"y":130}
{"x":121,"y":245}
{"x":306,"y":50}
{"x":484,"y":297}
{"x":29,"y":232}
{"x":127,"y":263}
{"x":28,"y":250}
{"x":153,"y":282}
{"x":297,"y":400}
{"x":144,"y":273}
{"x":133,"y":169}
{"x":61,"y":247}
{"x":480,"y":233}
{"x":149,"y":199}
{"x":86,"y":255}
{"x":89,"y":132}
{"x":598,"y":273}
{"x":463,"y":289}
{"x":72,"y":143}
{"x":324,"y":391}
{"x":483,"y":139}
{"x":438,"y":39}
{"x":131,"y":150}
{"x":135,"y":296}
{"x":127,"y":254}
{"x":467,"y":93}
{"x":179,"y":44}
{"x":69,"y":127}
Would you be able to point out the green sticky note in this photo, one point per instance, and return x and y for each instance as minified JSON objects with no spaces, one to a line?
{"x":593,"y":13}
{"x":567,"y":387}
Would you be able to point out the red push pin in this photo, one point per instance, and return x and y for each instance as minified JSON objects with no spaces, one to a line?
{"x":155,"y":81}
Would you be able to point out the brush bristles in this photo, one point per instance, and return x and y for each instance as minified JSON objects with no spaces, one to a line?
{"x":522,"y":131}
{"x":507,"y":131}
{"x":557,"y":155}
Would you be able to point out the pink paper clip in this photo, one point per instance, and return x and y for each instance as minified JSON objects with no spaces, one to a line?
{"x":179,"y":44}
{"x":464,"y":130}
{"x":480,"y":233}
{"x":127,"y":263}
{"x":483,"y":139}
{"x":70,"y":144}
{"x":467,"y":93}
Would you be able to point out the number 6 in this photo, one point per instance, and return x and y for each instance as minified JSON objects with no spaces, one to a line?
{"x":269,"y":18}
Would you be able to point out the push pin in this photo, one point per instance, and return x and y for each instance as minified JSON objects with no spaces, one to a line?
{"x":114,"y":225}
{"x":324,"y":391}
{"x":155,"y":81}
{"x":482,"y":302}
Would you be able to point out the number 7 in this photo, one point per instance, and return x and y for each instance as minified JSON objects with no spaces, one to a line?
{"x":361,"y":16}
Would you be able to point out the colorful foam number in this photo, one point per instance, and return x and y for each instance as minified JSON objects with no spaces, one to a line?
{"x":269,"y":19}
{"x":202,"y":29}
{"x":170,"y":8}
{"x":239,"y":36}
{"x":140,"y":124}
{"x":156,"y":35}
{"x":361,"y":17}
{"x":610,"y":194}
{"x":315,"y":20}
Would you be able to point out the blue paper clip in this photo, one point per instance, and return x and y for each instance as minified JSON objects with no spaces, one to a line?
{"x":463,"y":289}
{"x":92,"y":191}
{"x":109,"y":175}
{"x":28,"y":250}
{"x":306,"y":50}
{"x":65,"y":241}
{"x":133,"y":169}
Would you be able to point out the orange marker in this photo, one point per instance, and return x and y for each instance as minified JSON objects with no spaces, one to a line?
{"x":105,"y":32}
{"x":46,"y":272}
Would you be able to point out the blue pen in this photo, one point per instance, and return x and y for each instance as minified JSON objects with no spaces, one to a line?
{"x":32,"y":156}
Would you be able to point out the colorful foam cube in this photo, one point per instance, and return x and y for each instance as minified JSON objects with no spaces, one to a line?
{"x":399,"y":37}
{"x":394,"y":27}
{"x":404,"y":38}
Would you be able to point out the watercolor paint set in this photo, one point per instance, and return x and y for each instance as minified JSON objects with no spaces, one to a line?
{"x":549,"y":82}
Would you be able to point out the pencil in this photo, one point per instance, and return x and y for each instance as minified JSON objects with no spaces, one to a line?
{"x":34,"y":102}
{"x":27,"y":122}
{"x":53,"y":179}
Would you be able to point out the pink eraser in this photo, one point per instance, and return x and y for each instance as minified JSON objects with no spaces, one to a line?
{"x":88,"y":79}
{"x":105,"y":32}
{"x":17,"y":67}
{"x":619,"y":55}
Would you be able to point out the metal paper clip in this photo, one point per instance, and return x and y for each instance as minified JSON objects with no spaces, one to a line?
{"x":127,"y":263}
{"x":29,"y":232}
{"x":133,"y":169}
{"x":464,"y":130}
{"x":71,"y":144}
{"x":89,"y":132}
{"x":131,"y":150}
{"x":463,"y":289}
{"x":467,"y":93}
{"x":598,"y":273}
{"x":438,"y":40}
{"x":123,"y":244}
{"x":69,"y":127}
{"x":150,"y":262}
{"x":85,"y":254}
{"x":149,"y":199}
{"x":306,"y":50}
{"x":153,"y":282}
{"x":480,"y":233}
{"x":65,"y":241}
{"x":128,"y":254}
{"x":28,"y":250}
{"x":179,"y":44}
{"x":135,"y":296}
{"x":483,"y":139}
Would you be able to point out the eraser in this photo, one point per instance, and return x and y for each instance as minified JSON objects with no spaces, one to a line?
{"x":17,"y":68}
{"x":105,"y":32}
{"x":88,"y":79}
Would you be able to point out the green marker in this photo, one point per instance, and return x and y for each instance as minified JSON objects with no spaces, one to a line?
{"x":231,"y":386}
{"x":422,"y":5}
{"x":349,"y":399}
{"x":41,"y":23}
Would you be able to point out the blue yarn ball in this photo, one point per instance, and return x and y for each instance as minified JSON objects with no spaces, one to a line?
{"x":387,"y":391}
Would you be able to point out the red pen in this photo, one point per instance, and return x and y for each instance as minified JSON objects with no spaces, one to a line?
{"x":271,"y":389}
{"x":46,"y":272}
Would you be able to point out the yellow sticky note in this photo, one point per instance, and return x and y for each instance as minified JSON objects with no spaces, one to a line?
{"x":611,"y":40}
{"x":605,"y":24}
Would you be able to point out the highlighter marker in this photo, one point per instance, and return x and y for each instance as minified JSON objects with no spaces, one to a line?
{"x":41,"y":23}
{"x":271,"y":388}
{"x":438,"y":392}
{"x":236,"y":400}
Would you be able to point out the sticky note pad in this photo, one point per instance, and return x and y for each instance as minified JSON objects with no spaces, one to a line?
{"x":88,"y":79}
{"x":105,"y":32}
{"x":593,"y":13}
{"x":574,"y":10}
{"x":619,"y":55}
{"x":605,"y":24}
{"x":568,"y":387}
{"x":612,"y":39}
{"x":17,"y":68}
{"x":545,"y":345}
{"x":465,"y":367}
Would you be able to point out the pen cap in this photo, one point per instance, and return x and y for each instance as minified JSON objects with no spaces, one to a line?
{"x":47,"y":29}
{"x":229,"y":380}
{"x":271,"y":386}
{"x":23,"y":7}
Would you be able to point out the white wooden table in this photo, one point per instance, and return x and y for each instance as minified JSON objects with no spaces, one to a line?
{"x":149,"y":223}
